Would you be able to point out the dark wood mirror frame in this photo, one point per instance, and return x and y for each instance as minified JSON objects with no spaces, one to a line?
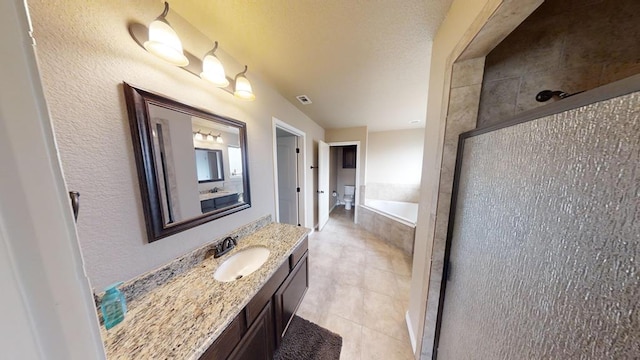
{"x":138,"y":101}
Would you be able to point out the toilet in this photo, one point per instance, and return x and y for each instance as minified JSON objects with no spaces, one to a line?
{"x":349,"y":192}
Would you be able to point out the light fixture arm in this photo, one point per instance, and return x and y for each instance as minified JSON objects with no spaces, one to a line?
{"x":164,"y":12}
{"x":243,"y":72}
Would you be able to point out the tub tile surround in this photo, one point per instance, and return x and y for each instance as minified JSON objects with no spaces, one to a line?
{"x":393,"y":192}
{"x":393,"y":232}
{"x":182,"y":317}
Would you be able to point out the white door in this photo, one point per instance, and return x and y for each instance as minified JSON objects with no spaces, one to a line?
{"x":323,"y":184}
{"x":287,"y":180}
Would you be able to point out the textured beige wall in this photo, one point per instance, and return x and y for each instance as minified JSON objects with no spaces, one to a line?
{"x":352,"y":134}
{"x":395,"y":156}
{"x":85,"y":52}
{"x":564,"y":45}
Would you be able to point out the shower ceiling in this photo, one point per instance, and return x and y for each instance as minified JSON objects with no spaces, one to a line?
{"x":362,"y":62}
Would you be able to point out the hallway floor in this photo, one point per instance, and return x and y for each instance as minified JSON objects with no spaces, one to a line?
{"x":359,"y":288}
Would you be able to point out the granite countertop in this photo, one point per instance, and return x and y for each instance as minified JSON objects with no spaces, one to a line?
{"x":182,"y":318}
{"x":216,"y":194}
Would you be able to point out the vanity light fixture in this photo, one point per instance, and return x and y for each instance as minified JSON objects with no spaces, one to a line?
{"x":212,"y":69}
{"x":198,"y":136}
{"x":164,"y":42}
{"x":210,"y":137}
{"x":219,"y":139}
{"x":242,"y":89}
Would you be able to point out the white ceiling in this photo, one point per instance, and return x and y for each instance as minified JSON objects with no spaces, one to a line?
{"x":361,"y":62}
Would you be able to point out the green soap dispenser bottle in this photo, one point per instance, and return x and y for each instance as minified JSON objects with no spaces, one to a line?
{"x":113,"y":306}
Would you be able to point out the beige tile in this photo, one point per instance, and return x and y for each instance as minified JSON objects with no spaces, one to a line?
{"x":498,"y":101}
{"x":347,"y":302}
{"x":401,"y":265}
{"x":353,"y":255}
{"x":349,"y":274}
{"x":619,"y":70}
{"x":310,"y":313}
{"x":380,"y":281}
{"x":568,"y":80}
{"x":345,"y":263}
{"x":377,"y":260}
{"x":385,"y":314}
{"x":351,"y":335}
{"x":463,"y":108}
{"x":468,"y":72}
{"x":379,"y":247}
{"x":404,"y":287}
{"x":378,"y":346}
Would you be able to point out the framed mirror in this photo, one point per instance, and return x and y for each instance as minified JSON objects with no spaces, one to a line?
{"x":209,"y":165}
{"x":192,"y":164}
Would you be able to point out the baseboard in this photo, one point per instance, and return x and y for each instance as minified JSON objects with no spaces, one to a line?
{"x":412,"y":336}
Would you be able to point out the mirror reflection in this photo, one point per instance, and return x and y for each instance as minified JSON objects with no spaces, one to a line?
{"x":190,"y":169}
{"x":209,"y":165}
{"x":192,"y":164}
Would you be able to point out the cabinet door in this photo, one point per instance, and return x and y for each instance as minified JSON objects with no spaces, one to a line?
{"x":289,"y":296}
{"x":258,"y":342}
{"x":227,"y":341}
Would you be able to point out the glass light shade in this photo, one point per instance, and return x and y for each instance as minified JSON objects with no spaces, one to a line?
{"x":198,"y":136}
{"x":213,"y":71}
{"x":210,"y":137}
{"x":165,"y":44}
{"x":219,"y":139}
{"x":243,"y":89}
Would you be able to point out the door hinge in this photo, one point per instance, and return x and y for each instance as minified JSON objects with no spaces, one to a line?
{"x":297,"y":189}
{"x":297,"y":150}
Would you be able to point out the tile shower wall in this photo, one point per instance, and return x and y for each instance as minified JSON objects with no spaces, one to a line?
{"x":570,"y":45}
{"x":466,"y":84}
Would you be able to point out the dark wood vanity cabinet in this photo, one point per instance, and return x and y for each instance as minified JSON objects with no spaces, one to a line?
{"x":257,"y":331}
{"x":218,"y":202}
{"x":289,"y":296}
{"x":258,"y":342}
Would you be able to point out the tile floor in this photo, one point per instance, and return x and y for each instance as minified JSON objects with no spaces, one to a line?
{"x":359,"y":288}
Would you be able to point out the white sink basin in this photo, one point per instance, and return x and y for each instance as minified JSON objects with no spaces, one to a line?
{"x":242,"y":264}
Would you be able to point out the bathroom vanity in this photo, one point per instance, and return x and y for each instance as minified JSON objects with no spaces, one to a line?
{"x":217,"y":200}
{"x":258,"y":329}
{"x":194,"y":316}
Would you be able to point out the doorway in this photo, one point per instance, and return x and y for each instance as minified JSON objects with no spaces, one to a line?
{"x":338,"y":173}
{"x":289,"y":159}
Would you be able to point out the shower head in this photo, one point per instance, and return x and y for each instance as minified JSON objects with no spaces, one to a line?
{"x":546,"y":95}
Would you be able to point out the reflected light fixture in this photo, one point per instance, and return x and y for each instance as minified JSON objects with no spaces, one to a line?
{"x":242,"y":89}
{"x":164,"y":42}
{"x":212,"y":69}
{"x":198,"y":136}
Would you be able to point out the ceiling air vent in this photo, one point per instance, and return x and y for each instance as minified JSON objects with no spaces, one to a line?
{"x":304,"y":99}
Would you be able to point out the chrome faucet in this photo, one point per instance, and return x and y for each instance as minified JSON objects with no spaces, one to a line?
{"x":225,"y":246}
